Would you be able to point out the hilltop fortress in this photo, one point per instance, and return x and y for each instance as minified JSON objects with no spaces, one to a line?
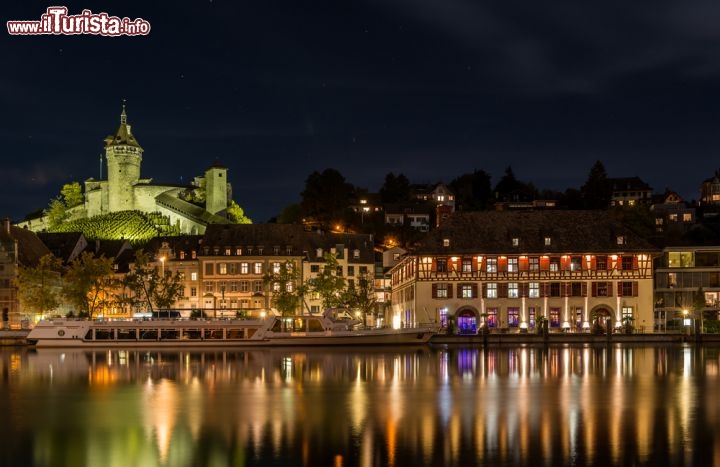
{"x":188,"y":207}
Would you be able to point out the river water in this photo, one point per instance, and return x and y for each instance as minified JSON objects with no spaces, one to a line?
{"x":533,"y":406}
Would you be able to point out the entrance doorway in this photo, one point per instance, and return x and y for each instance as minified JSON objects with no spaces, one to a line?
{"x":467,"y":322}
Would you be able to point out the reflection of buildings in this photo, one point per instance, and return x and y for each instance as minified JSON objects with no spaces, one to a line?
{"x":451,"y":407}
{"x":687,"y":278}
{"x":512,"y":268}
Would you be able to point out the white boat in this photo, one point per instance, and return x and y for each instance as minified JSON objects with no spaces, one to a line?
{"x":305,"y":330}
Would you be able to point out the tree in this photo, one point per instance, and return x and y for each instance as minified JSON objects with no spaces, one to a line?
{"x":472,"y":191}
{"x":56,"y":213}
{"x":157,"y":289}
{"x":287,"y":293}
{"x":396,"y":189}
{"x":361,"y":296}
{"x":328,"y":284}
{"x":291,"y":214}
{"x":236,"y":214}
{"x":72,"y":194}
{"x":88,"y":283}
{"x":326,"y":197}
{"x":38,"y":286}
{"x":596,"y":191}
{"x":510,"y":188}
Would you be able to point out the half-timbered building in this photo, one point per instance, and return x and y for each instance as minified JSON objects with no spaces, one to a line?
{"x":508,"y":270}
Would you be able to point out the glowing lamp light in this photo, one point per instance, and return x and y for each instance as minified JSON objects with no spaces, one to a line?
{"x":523,"y":325}
{"x":396,"y":322}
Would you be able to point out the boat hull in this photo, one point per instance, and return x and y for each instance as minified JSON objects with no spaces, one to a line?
{"x":207,"y":334}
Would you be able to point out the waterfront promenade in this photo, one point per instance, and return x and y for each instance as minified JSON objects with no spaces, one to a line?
{"x":17,"y":338}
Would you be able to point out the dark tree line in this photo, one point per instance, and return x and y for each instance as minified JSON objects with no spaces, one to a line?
{"x":329,"y":201}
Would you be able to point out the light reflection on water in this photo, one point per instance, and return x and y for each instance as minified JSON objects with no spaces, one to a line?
{"x":358,"y":407}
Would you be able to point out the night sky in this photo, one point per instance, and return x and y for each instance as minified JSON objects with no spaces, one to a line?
{"x":276,"y":89}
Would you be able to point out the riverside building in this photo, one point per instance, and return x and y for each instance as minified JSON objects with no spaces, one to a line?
{"x":508,"y":270}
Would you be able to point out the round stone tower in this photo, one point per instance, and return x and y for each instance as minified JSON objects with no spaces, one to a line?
{"x":124,"y":155}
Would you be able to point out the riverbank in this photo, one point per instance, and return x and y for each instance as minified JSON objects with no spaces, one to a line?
{"x":13,"y":337}
{"x":18,"y":338}
{"x":495,"y":339}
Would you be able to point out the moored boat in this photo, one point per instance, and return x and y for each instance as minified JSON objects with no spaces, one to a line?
{"x":305,"y":330}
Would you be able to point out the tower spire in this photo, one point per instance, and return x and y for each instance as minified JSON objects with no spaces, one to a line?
{"x":123,"y":115}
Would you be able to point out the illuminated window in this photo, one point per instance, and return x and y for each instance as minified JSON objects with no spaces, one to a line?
{"x":193,"y":276}
{"x":492,"y":290}
{"x":222,"y":268}
{"x":441,"y":291}
{"x":687,"y":217}
{"x":621,"y":239}
{"x":446,"y":242}
{"x":491,"y":265}
{"x":466,"y":291}
{"x":512,"y":265}
{"x":515,"y":241}
{"x":513,"y":290}
{"x":554,"y":317}
{"x":680,"y":259}
{"x":534,"y":264}
{"x":534,"y":290}
{"x":466,"y":265}
{"x":673,"y":217}
{"x":244,"y":268}
{"x":276,"y":268}
{"x":548,"y":241}
{"x":258,"y":269}
{"x":513,"y":316}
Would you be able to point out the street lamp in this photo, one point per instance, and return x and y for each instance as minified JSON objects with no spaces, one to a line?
{"x":686,"y":321}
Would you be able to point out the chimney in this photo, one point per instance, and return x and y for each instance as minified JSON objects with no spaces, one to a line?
{"x":6,"y":225}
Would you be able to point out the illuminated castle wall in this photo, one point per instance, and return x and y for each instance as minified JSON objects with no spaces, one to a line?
{"x":125,"y":190}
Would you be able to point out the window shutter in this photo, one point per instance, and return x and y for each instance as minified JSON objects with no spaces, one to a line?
{"x":524,"y":289}
{"x":620,"y":289}
{"x":502,"y":290}
{"x":474,"y":290}
{"x":565,"y":289}
{"x":459,"y":289}
{"x":434,"y":291}
{"x":544,"y":289}
{"x":484,"y":290}
{"x":635,"y":289}
{"x":610,"y":289}
{"x":594,"y":289}
{"x":583,"y":289}
{"x":635,"y":263}
{"x":450,"y":290}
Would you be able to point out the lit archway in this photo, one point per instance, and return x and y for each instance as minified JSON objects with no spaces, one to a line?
{"x":467,"y":321}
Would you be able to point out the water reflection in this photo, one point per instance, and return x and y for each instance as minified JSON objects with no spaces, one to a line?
{"x":353,"y":407}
